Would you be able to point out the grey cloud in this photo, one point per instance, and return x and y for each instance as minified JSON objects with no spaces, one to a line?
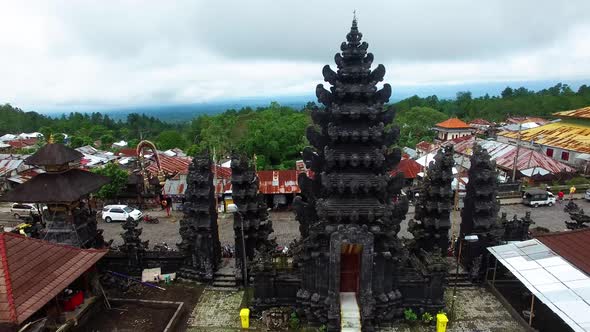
{"x":422,"y":30}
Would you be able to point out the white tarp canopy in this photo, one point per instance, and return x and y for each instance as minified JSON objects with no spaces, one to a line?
{"x":553,"y":280}
{"x":583,"y":156}
{"x":535,"y":171}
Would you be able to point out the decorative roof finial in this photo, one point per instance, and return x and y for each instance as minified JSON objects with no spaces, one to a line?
{"x":354,"y":18}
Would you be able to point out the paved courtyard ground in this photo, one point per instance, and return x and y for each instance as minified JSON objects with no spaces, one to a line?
{"x":476,"y":310}
{"x":286,"y":228}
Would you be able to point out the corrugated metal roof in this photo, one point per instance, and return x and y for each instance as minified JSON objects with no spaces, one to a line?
{"x":33,"y":272}
{"x":480,"y":122}
{"x":426,"y":146}
{"x":271,"y":182}
{"x":171,"y":165}
{"x":503,"y":154}
{"x":567,"y":136}
{"x":278,"y":182}
{"x":580,"y":113}
{"x":8,"y":165}
{"x":551,"y":278}
{"x":22,"y":143}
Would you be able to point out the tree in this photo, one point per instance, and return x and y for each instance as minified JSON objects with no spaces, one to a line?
{"x":46,"y":132}
{"x":78,"y":141}
{"x":106,"y":141}
{"x":118,"y":178}
{"x":169,"y":139}
{"x":416,"y":125}
{"x":58,"y":138}
{"x":507,"y":93}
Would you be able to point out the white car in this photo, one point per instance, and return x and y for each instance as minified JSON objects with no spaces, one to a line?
{"x":19,"y":210}
{"x":120,"y":213}
{"x":587,"y":195}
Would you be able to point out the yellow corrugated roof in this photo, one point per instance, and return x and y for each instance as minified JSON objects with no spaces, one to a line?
{"x":566,"y":136}
{"x":580,"y":113}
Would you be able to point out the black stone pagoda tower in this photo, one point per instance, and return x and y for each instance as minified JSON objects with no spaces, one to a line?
{"x":252,"y":219}
{"x":480,"y":213}
{"x":433,"y":207}
{"x":198,"y":229}
{"x":352,"y":209}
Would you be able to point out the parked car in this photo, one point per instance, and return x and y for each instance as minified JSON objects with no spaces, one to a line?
{"x":120,"y":213}
{"x":537,"y":197}
{"x":587,"y":195}
{"x":23,"y":210}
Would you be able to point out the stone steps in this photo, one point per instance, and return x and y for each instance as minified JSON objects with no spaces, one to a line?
{"x":224,"y":281}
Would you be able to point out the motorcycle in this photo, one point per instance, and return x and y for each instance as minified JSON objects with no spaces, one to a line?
{"x":150,"y":220}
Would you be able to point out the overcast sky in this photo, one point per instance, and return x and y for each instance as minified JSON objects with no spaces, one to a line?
{"x":126,"y":53}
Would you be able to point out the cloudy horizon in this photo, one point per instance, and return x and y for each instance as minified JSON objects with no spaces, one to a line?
{"x":72,"y":54}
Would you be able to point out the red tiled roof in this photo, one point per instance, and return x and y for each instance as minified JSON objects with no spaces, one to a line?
{"x":573,"y":246}
{"x":409,"y":167}
{"x":453,"y":123}
{"x":33,"y":272}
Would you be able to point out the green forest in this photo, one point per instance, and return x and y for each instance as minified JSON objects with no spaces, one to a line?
{"x":276,"y":134}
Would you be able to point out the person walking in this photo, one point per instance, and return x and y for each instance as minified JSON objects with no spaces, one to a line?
{"x":560,"y":195}
{"x":572,"y":191}
{"x":166,"y":206}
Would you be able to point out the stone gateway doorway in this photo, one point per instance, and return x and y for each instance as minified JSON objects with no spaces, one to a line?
{"x":350,"y":266}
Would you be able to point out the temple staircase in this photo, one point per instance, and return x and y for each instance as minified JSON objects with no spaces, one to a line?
{"x":350,"y":314}
{"x":225,"y":278}
{"x":461,"y":279}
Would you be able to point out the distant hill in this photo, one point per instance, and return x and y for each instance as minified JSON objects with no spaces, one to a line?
{"x":183,"y":112}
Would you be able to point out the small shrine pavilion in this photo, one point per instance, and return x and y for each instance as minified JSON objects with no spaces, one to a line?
{"x":64,"y":189}
{"x":451,"y":129}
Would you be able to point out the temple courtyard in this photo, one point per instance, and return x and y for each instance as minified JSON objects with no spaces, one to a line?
{"x":213,"y":310}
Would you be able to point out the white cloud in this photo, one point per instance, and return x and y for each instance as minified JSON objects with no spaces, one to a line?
{"x":89,"y":54}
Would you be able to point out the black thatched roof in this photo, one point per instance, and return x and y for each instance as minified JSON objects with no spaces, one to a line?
{"x":64,"y":187}
{"x":53,"y":154}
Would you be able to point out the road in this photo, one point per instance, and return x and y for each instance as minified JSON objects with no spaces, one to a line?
{"x":286,"y":227}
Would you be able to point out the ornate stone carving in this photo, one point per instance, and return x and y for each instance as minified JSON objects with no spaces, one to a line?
{"x":198,"y":228}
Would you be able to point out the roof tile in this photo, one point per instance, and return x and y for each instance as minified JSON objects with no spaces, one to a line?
{"x":38,"y":271}
{"x":574,"y":246}
{"x":453,"y":123}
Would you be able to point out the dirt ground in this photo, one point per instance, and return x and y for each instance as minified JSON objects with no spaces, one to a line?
{"x":130,"y":317}
{"x":187,"y":292}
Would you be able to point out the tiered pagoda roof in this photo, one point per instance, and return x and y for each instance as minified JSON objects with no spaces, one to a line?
{"x":60,"y":184}
{"x":53,"y":154}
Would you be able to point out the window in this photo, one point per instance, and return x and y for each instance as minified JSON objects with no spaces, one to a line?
{"x":565,"y":156}
{"x":549,"y":152}
{"x":116,"y":210}
{"x":127,"y":209}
